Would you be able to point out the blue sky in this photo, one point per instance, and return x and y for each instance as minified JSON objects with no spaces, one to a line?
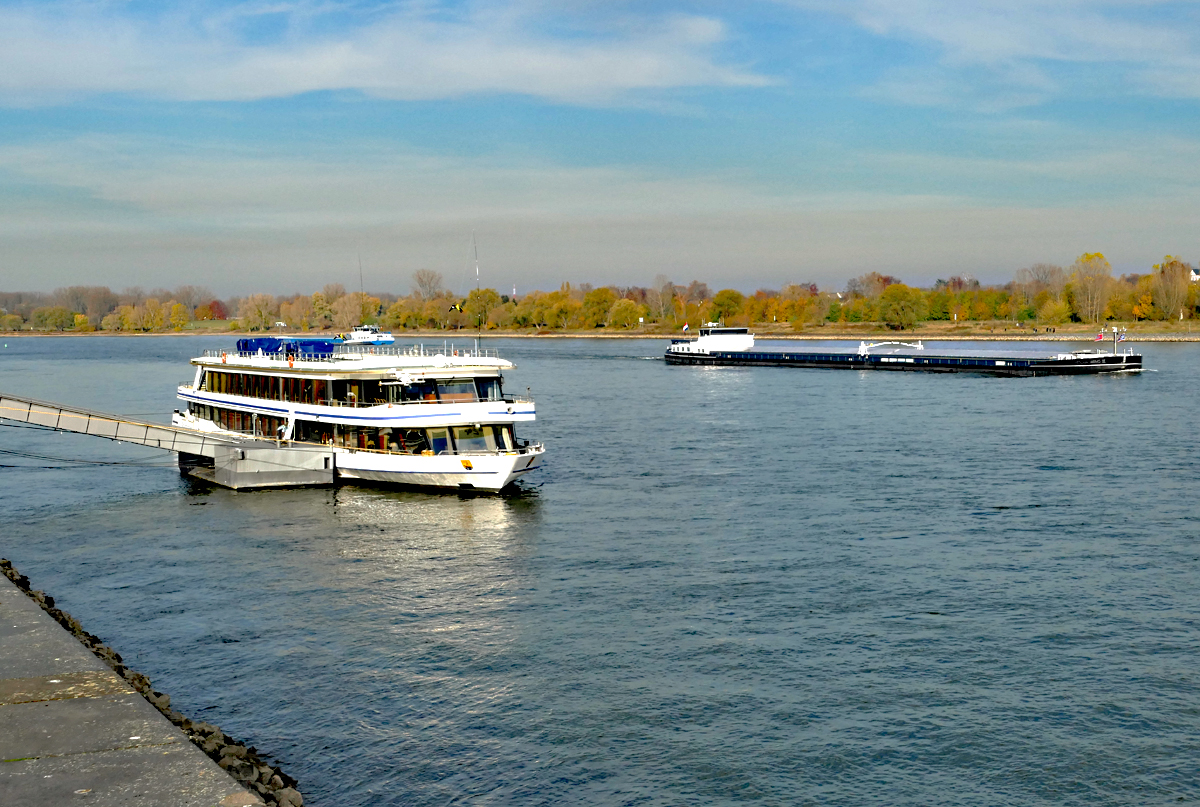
{"x":269,"y":145}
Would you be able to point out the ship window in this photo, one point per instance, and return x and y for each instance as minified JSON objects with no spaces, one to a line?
{"x":503,"y":437}
{"x":458,"y":389}
{"x":439,"y":441}
{"x":489,"y":389}
{"x":412,"y":441}
{"x":470,"y":438}
{"x":371,"y":393}
{"x":419,"y":391}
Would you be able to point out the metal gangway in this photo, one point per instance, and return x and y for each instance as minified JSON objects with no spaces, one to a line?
{"x":230,"y":461}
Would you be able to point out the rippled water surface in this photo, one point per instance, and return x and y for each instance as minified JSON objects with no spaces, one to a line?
{"x":727,"y":585}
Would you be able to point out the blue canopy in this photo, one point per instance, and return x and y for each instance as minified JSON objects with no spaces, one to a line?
{"x":299,"y":347}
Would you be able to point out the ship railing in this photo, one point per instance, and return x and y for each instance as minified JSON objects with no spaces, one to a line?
{"x":522,"y":447}
{"x":864,"y":348}
{"x":449,"y":350}
{"x":523,"y":399}
{"x":508,"y":399}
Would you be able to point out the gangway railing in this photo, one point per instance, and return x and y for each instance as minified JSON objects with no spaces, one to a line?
{"x":113,"y":427}
{"x":229,"y":460}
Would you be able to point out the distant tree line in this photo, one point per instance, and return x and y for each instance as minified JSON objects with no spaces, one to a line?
{"x":1043,"y":294}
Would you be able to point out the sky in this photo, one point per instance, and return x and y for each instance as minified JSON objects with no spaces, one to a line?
{"x":276,"y":146}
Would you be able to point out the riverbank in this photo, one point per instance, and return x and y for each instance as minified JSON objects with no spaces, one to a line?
{"x":72,"y":723}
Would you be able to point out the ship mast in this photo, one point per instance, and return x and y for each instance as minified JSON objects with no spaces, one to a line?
{"x":478,"y":315}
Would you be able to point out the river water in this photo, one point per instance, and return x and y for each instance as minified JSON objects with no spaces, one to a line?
{"x":727,"y":585}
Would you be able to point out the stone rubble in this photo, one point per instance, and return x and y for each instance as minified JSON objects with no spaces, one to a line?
{"x":241,"y":761}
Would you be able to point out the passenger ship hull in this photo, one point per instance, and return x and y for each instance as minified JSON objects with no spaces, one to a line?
{"x":486,"y":472}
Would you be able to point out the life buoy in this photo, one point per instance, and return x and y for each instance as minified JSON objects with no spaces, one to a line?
{"x":222,"y":357}
{"x":291,"y":362}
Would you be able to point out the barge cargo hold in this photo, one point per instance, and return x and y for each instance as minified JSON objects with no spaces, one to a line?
{"x":720,"y":346}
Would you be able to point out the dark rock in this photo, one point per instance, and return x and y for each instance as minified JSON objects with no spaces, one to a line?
{"x":160,"y":701}
{"x":290,"y":797}
{"x":234,"y":751}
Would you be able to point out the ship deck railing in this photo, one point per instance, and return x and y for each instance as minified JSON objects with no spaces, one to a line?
{"x":449,"y":350}
{"x":523,"y":447}
{"x":507,"y":399}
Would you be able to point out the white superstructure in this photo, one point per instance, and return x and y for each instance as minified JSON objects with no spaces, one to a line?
{"x":367,"y":335}
{"x":714,"y":337}
{"x":412,"y":416}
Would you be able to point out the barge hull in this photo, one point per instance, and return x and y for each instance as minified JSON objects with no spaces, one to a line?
{"x":1000,"y":366}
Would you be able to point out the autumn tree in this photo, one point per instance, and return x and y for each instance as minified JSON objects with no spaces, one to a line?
{"x":179,"y":316}
{"x":53,"y":318}
{"x":296,"y":311}
{"x":901,"y":306}
{"x":320,"y":314}
{"x":661,"y":298}
{"x":1054,"y":312}
{"x":479,"y":305}
{"x":427,"y":284}
{"x":257,"y":312}
{"x":624,"y":314}
{"x":727,"y":304}
{"x":1170,"y":286}
{"x":355,"y":308}
{"x":1092,"y":278}
{"x":596,"y":305}
{"x":870,"y":285}
{"x":192,"y":296}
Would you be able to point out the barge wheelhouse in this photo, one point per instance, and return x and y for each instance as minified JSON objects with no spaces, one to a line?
{"x":410,"y":416}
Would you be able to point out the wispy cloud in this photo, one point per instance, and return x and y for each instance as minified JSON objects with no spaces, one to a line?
{"x":998,"y":54}
{"x":59,"y":51}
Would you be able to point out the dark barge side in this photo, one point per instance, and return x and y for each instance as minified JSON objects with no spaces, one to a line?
{"x":720,"y":346}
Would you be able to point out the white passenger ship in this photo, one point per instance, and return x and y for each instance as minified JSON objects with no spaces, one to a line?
{"x":410,"y":416}
{"x":367,"y":335}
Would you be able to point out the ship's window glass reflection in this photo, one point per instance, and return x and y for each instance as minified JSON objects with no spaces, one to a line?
{"x":439,"y":440}
{"x":489,"y":389}
{"x":457,"y":389}
{"x":469,"y":438}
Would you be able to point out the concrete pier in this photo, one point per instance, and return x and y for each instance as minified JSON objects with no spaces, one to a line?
{"x":74,"y":732}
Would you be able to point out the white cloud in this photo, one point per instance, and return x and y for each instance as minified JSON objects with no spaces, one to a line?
{"x":1000,"y":54}
{"x":59,"y":51}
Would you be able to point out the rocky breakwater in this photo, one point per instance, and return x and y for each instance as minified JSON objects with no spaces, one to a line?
{"x":241,"y":761}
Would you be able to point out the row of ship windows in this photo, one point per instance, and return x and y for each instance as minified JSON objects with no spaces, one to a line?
{"x":349,"y":392}
{"x":444,"y":440}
